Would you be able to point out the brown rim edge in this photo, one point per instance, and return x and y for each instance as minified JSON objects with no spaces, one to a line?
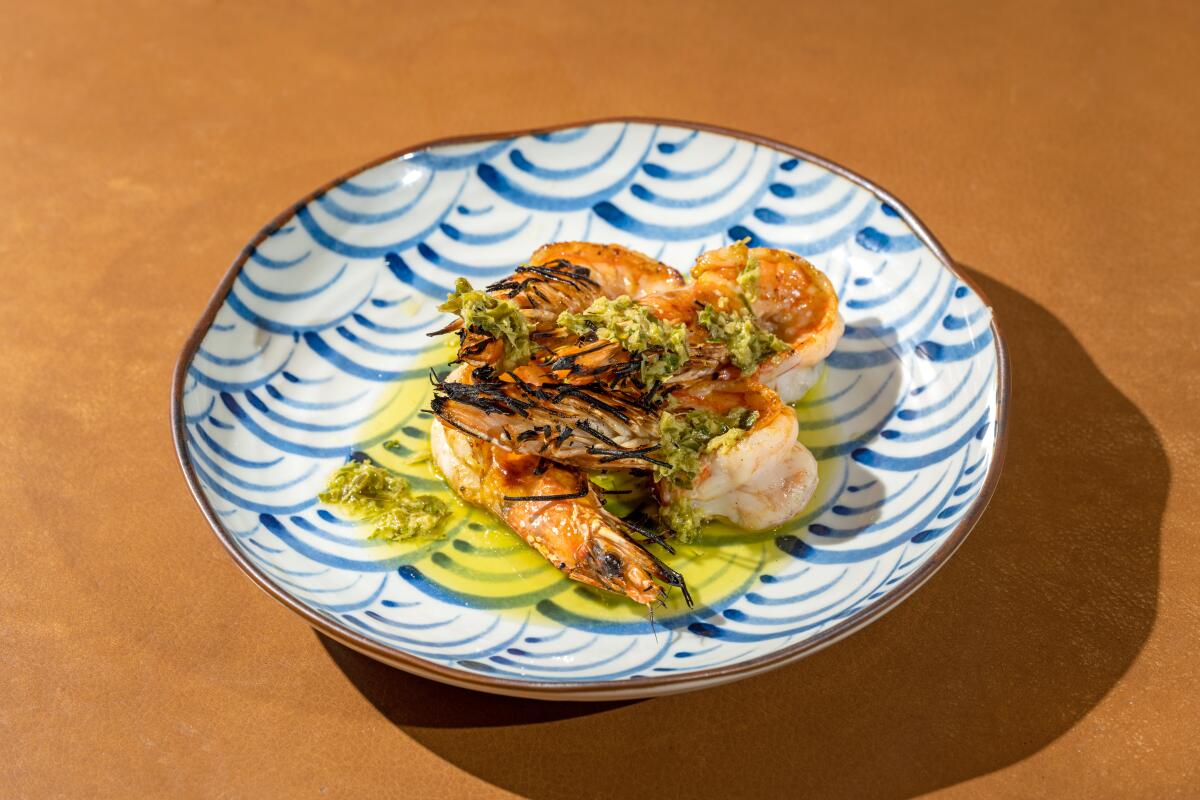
{"x":630,"y":688}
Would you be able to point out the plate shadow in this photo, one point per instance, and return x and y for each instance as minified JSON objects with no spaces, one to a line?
{"x":1020,"y":634}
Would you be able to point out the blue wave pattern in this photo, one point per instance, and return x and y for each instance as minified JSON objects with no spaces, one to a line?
{"x":332,"y":308}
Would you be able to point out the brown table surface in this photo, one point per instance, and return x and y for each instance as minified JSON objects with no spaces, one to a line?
{"x":1052,"y":148}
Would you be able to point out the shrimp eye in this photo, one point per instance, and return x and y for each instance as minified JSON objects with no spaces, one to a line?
{"x":612,"y":564}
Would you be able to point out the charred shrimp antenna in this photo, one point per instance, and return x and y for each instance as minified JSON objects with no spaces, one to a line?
{"x":651,"y":535}
{"x":584,"y":491}
{"x":455,"y":325}
{"x":670,"y":576}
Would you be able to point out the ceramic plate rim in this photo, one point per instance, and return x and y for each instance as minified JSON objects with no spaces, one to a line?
{"x":629,"y":688}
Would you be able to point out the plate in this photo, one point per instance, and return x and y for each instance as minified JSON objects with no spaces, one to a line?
{"x":314,"y":347}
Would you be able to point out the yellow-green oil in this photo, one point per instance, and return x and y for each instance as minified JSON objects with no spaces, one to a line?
{"x":482,"y":561}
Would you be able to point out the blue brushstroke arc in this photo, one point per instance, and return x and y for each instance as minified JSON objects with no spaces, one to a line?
{"x":678,"y":145}
{"x":826,"y":532}
{"x":240,"y":483}
{"x":357,"y":541}
{"x":852,"y":413}
{"x":232,"y":457}
{"x":808,"y":189}
{"x":518,"y":159}
{"x":281,"y":532}
{"x":829,"y":398}
{"x":427,"y":586}
{"x":404,"y":273}
{"x":607,"y":676}
{"x":887,"y":297}
{"x":573,"y":666}
{"x":228,"y":386}
{"x":761,"y":600}
{"x":478,"y":239}
{"x":358,"y":190}
{"x":372,"y":347}
{"x":522,"y":196}
{"x":944,"y":425}
{"x":565,"y":651}
{"x":336,"y":245}
{"x":810,"y":247}
{"x":274,"y":326}
{"x":872,"y":458}
{"x":464,"y":161}
{"x":307,"y":405}
{"x":730,"y":635}
{"x":287,"y":297}
{"x":455,"y":267}
{"x":342,"y":425}
{"x":935,"y":351}
{"x":351,"y":367}
{"x":191,"y":419}
{"x":563,"y":137}
{"x":296,"y":448}
{"x":340,"y":212}
{"x":775,"y":218}
{"x":876,"y":241}
{"x":624,"y":221}
{"x":667,"y":174}
{"x":892,"y":327}
{"x":392,"y":330}
{"x":664,"y":201}
{"x":338,"y":608}
{"x":908,"y":414}
{"x":954,"y":323}
{"x":744,"y":618}
{"x":272,"y":263}
{"x":884,"y":499}
{"x":862,"y":359}
{"x":249,"y":505}
{"x":411,"y":626}
{"x":277,"y":573}
{"x":487,"y":651}
{"x":797,"y":548}
{"x":223,"y":361}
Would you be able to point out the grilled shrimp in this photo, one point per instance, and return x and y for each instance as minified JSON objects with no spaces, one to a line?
{"x":616,"y":270}
{"x":766,"y":477}
{"x":793,"y":300}
{"x":557,"y":511}
{"x":581,"y":404}
{"x":564,"y":276}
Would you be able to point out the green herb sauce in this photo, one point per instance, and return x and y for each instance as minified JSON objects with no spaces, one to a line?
{"x":495,"y":317}
{"x":384,"y":499}
{"x":748,"y":342}
{"x":687,"y":436}
{"x":663,"y":346}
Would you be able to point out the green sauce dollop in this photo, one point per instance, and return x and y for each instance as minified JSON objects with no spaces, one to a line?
{"x":748,"y":342}
{"x":687,"y":436}
{"x":662,"y":346}
{"x":493,"y":316}
{"x":384,"y":499}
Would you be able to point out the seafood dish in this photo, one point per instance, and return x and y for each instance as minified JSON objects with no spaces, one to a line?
{"x":594,"y":373}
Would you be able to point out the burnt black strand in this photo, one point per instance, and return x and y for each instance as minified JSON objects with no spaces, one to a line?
{"x":529,"y":498}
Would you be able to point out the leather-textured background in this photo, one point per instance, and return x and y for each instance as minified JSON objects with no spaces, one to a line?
{"x":1052,"y":148}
